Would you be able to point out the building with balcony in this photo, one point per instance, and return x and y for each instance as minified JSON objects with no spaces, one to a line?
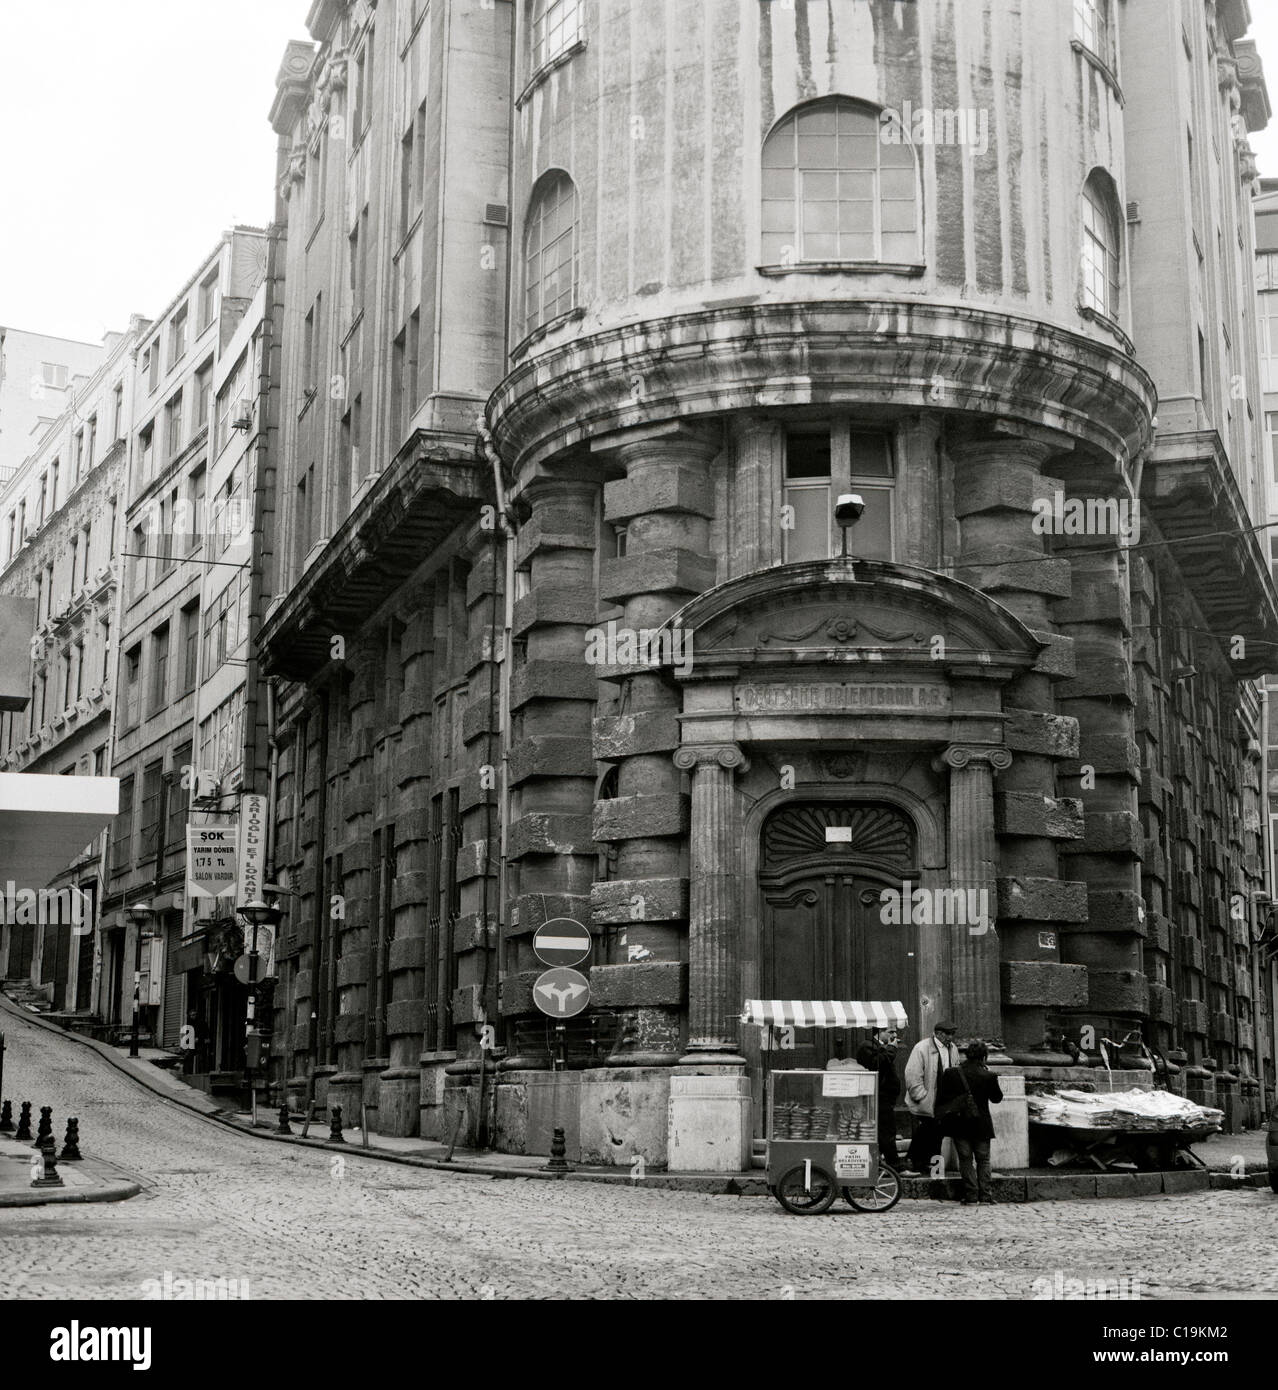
{"x":621,"y":660}
{"x":60,"y":523}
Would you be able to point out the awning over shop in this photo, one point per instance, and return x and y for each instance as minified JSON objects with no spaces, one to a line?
{"x":826,"y":1013}
{"x":46,"y":821}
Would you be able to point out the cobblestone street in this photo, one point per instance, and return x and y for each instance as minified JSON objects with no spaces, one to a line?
{"x":301,"y":1223}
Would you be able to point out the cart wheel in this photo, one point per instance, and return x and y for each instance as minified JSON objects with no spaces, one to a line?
{"x":884,"y":1195}
{"x":801,"y":1200}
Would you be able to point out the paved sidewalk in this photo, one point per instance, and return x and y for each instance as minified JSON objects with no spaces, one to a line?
{"x":88,"y":1180}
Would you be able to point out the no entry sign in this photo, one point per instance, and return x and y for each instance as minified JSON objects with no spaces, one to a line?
{"x":561,"y":941}
{"x":561,"y":992}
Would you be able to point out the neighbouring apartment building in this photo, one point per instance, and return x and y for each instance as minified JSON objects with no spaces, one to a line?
{"x":183,"y":616}
{"x":36,"y":372}
{"x":59,"y":544}
{"x":592,"y":314}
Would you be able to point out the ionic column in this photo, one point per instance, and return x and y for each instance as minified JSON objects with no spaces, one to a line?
{"x":975,"y":996}
{"x":714,"y":913}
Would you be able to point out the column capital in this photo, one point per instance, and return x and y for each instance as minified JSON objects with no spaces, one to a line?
{"x":959,"y":755}
{"x":726,"y":755}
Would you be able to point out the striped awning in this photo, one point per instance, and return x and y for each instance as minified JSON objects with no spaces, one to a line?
{"x":827,"y":1013}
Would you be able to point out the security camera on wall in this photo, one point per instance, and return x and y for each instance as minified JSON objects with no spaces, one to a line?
{"x":849,"y":509}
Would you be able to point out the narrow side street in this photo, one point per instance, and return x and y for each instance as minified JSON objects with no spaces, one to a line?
{"x":296,"y":1222}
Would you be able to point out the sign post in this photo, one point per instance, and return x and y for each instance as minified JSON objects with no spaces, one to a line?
{"x":560,"y":993}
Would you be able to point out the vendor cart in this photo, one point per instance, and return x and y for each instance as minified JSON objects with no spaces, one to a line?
{"x":822,"y":1126}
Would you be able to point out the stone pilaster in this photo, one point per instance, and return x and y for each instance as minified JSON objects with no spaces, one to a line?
{"x":714,"y":916}
{"x":973,"y":865}
{"x":998,"y":482}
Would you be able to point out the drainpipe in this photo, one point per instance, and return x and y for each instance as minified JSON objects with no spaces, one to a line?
{"x":273,"y":764}
{"x":1267,"y":875}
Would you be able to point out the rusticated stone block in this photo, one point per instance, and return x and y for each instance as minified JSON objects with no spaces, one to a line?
{"x":352,"y":969}
{"x":302,"y":984}
{"x":551,"y":755}
{"x":1115,"y":910}
{"x":1223,"y":1028}
{"x":1051,"y":735}
{"x":637,"y":984}
{"x":1042,"y":900}
{"x":554,"y":680}
{"x":1109,"y":832}
{"x":467,"y":1005}
{"x":1096,"y":599}
{"x":1049,"y":577}
{"x":406,"y":1017}
{"x":1118,"y":991}
{"x":530,"y":910}
{"x":1033,"y":982}
{"x":1193,"y":1015}
{"x":1162,"y":1004}
{"x":349,"y":1028}
{"x":476,"y":858}
{"x":626,"y":735}
{"x":1057,"y":657}
{"x":624,"y":900}
{"x":668,"y":569}
{"x":1191,"y":951}
{"x":1024,"y":813}
{"x":479,"y":719}
{"x":407,"y":953}
{"x":575,"y":605}
{"x":1098,"y":676}
{"x":659,"y":490}
{"x":1105,"y":754}
{"x":545,"y":832}
{"x":554,"y":529}
{"x":302,"y":1037}
{"x":1160,"y":932}
{"x":640,"y":817}
{"x":994,"y":487}
{"x":515,"y":995}
{"x":469,"y":932}
{"x":483,"y":581}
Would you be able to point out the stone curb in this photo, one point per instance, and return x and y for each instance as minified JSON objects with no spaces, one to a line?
{"x":117,"y":1192}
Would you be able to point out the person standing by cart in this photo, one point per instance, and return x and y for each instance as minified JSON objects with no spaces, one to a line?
{"x":929,"y":1060}
{"x":971,"y":1132}
{"x":879,"y":1056}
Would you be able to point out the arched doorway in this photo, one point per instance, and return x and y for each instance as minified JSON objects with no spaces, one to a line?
{"x":822,"y":869}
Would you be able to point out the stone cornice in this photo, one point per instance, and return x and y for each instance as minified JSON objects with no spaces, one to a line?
{"x":840,"y":353}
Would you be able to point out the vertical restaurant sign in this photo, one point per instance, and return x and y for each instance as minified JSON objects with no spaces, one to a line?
{"x":210,"y":861}
{"x":251,"y":846}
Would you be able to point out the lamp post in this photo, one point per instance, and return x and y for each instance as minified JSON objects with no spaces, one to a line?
{"x":256,"y":914}
{"x":139,"y":914}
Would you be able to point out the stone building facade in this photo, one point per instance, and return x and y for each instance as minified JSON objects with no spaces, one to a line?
{"x":619,"y":661}
{"x":59,"y":538}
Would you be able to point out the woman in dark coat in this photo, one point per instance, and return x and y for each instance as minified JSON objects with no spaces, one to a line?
{"x":971,"y":1136}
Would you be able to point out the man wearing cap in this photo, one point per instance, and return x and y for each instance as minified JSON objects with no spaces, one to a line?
{"x":928,"y":1062}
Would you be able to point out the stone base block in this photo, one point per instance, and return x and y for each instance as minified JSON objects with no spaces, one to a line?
{"x":461,"y":1111}
{"x":347,"y":1090}
{"x":510,"y":1118}
{"x":431,"y":1096}
{"x":1010,"y":1148}
{"x":710,"y":1122}
{"x":625,"y":1115}
{"x":399,"y":1109}
{"x":553,"y":1099}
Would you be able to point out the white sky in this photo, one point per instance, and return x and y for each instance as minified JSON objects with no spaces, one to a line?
{"x":133,"y":132}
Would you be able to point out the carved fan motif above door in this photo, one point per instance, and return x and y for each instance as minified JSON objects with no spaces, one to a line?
{"x":872,"y":832}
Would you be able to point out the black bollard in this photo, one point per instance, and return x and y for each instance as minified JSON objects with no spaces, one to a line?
{"x":283,"y":1125}
{"x":6,"y":1117}
{"x":558,"y":1151}
{"x":24,"y":1121}
{"x":49,"y":1175}
{"x":71,"y":1144}
{"x":45,"y":1129}
{"x":335,"y":1135}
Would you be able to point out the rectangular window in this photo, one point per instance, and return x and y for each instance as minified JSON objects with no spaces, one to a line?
{"x":115,"y":511}
{"x":177,"y":336}
{"x":159,"y":669}
{"x":208,"y":301}
{"x":173,"y":424}
{"x":820,"y":467}
{"x":106,"y":651}
{"x":189,"y":635}
{"x":132,"y":685}
{"x":203,"y":390}
{"x":92,"y":443}
{"x":151,"y":365}
{"x":556,"y":26}
{"x":194,"y":520}
{"x":806,"y":523}
{"x":122,"y":835}
{"x":302,"y":514}
{"x":53,"y":374}
{"x":79,"y":456}
{"x":146,"y":442}
{"x":85,"y":549}
{"x":117,"y":414}
{"x":152,"y":779}
{"x":79,"y":671}
{"x":175,"y":834}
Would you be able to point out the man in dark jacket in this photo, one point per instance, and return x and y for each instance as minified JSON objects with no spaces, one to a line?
{"x":880,"y":1056}
{"x":971,"y":1136}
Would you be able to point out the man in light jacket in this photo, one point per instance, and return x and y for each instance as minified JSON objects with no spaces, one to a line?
{"x":928,"y":1062}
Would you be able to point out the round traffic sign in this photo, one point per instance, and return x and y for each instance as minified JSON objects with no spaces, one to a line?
{"x":561,"y":992}
{"x":561,"y":941}
{"x":243,"y":969}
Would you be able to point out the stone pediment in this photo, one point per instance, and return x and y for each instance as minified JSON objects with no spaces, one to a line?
{"x":847,"y":611}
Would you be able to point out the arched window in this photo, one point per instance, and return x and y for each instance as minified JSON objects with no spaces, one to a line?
{"x":550,"y":250}
{"x":1100,"y":246}
{"x":556,"y":26}
{"x":838,"y":185}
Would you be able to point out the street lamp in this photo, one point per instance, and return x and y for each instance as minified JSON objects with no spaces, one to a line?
{"x":140,"y":914}
{"x":256,"y":914}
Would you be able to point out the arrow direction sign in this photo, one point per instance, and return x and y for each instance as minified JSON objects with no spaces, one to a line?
{"x":561,"y":992}
{"x":561,"y":941}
